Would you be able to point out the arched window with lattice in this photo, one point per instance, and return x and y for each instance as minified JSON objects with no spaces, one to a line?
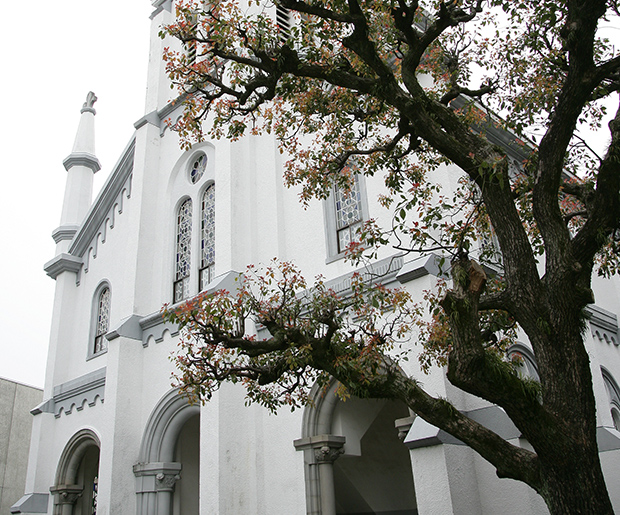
{"x":613,"y":392}
{"x":207,"y":237}
{"x":102,"y":321}
{"x":183,"y":251}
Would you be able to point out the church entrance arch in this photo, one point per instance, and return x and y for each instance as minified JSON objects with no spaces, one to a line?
{"x":75,"y":488}
{"x":355,"y":461}
{"x":167,"y":475}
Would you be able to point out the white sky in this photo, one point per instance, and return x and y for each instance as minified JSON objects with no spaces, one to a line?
{"x":54,"y":53}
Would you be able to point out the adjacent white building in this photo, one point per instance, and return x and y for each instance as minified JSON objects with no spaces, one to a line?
{"x":112,"y":437}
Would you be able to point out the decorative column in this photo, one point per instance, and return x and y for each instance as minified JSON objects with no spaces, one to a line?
{"x":65,"y":497}
{"x":320,"y":452}
{"x":155,"y":486}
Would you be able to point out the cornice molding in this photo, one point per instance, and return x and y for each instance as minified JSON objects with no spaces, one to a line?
{"x":74,"y":394}
{"x":82,"y":159}
{"x":105,"y":202}
{"x":151,"y":118}
{"x":65,"y":232}
{"x":515,"y":147}
{"x":603,"y":324}
{"x":63,"y":263}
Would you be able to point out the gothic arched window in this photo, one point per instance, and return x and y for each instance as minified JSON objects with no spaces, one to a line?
{"x":183,"y":251}
{"x":207,"y":237}
{"x":614,"y":397}
{"x":102,"y":323}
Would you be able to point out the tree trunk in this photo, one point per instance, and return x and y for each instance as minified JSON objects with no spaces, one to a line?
{"x":575,"y":485}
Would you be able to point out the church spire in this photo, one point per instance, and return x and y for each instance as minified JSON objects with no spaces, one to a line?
{"x":81,"y":166}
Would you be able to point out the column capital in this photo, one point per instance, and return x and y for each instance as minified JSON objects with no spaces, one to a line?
{"x":327,"y":454}
{"x":327,"y":448}
{"x":156,"y":476}
{"x":166,"y":482}
{"x":66,"y":494}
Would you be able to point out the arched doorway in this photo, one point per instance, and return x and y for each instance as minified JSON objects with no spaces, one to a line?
{"x":355,"y":461}
{"x":76,"y":485}
{"x":168,"y":472}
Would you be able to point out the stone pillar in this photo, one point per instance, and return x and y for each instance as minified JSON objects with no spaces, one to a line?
{"x":65,"y":497}
{"x":321,"y":452}
{"x":155,"y":487}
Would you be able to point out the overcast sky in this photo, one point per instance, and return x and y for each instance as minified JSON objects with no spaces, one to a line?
{"x":54,"y":54}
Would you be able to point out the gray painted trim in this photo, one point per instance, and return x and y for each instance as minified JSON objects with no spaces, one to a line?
{"x":128,"y":327}
{"x":171,"y":106}
{"x":318,"y":441}
{"x":82,"y":159}
{"x":608,"y":439}
{"x":86,"y":388}
{"x":603,"y":324}
{"x":147,"y":475}
{"x":152,"y":118}
{"x":31,"y":503}
{"x":155,"y":326}
{"x":65,"y":232}
{"x":45,"y":407}
{"x":432,"y":264}
{"x":119,"y":180}
{"x":62,"y":263}
{"x":423,"y":434}
{"x":166,"y":4}
{"x":383,"y":271}
{"x":515,"y":147}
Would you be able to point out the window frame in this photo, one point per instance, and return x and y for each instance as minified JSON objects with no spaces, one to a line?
{"x":613,"y":397}
{"x":330,"y":219}
{"x":94,"y":323}
{"x":208,"y":268}
{"x":185,"y":280}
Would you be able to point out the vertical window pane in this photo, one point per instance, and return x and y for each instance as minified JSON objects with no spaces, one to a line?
{"x":207,"y":237}
{"x":348,"y":213}
{"x":103,"y":320}
{"x":183,"y":251}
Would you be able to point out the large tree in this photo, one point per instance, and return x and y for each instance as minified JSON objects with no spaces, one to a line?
{"x":372,"y":85}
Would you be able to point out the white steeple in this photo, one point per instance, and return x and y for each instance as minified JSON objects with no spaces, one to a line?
{"x":81,"y":166}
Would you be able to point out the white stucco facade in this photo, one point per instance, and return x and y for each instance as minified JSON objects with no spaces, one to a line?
{"x":110,"y":413}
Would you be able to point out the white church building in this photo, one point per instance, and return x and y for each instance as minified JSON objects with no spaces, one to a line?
{"x":111,"y":435}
